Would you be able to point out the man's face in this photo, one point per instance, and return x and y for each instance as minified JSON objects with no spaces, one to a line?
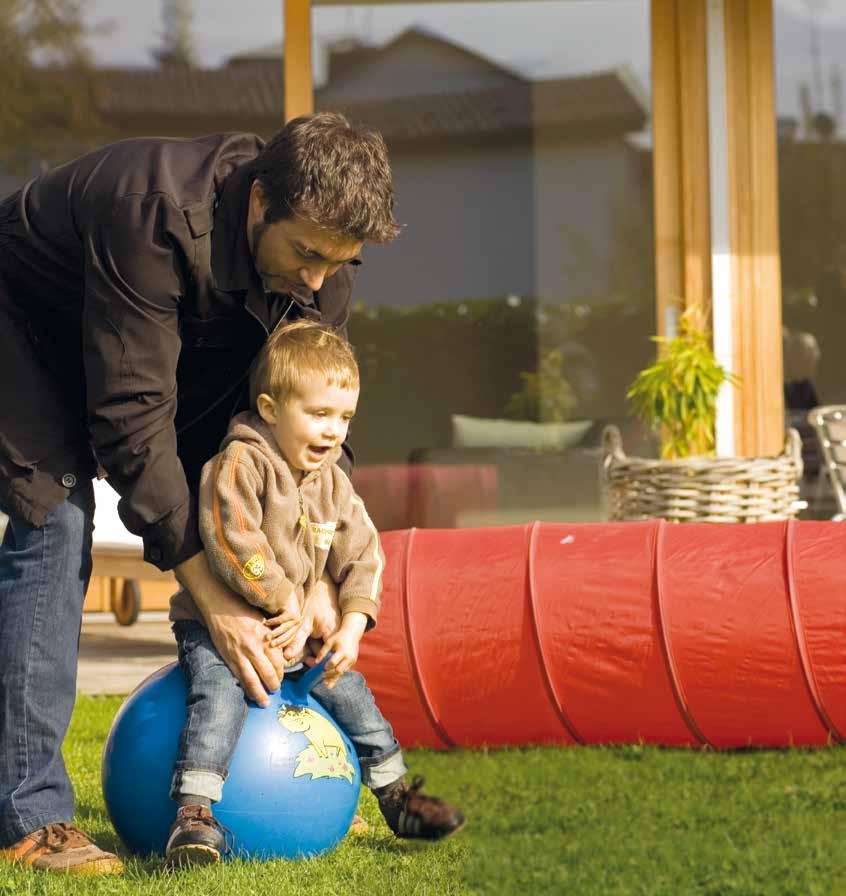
{"x":294,"y":253}
{"x":310,"y":422}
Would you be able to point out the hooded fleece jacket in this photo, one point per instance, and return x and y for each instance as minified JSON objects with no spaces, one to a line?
{"x":268,"y":538}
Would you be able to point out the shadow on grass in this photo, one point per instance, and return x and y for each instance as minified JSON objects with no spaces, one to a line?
{"x":93,"y":819}
{"x":387,"y":844}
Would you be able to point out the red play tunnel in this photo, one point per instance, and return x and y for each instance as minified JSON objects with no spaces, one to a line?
{"x":729,"y":636}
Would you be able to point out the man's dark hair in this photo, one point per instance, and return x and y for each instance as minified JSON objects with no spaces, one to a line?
{"x":320,"y":168}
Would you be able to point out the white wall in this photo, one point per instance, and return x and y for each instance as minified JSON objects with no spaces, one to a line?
{"x":580,"y":188}
{"x":469,"y":228}
{"x":488,"y":221}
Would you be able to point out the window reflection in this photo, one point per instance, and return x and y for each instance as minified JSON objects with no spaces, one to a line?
{"x":500,"y":332}
{"x":812,"y":216}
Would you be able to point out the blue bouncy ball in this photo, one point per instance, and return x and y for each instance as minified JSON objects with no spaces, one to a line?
{"x":293,"y":784}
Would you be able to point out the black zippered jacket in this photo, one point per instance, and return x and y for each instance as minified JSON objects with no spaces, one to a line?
{"x":130,"y":312}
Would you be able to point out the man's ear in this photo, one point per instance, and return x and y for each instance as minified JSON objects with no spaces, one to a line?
{"x":266,"y":407}
{"x":258,"y":202}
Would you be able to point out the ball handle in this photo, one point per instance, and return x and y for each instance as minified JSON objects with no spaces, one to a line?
{"x":301,"y":687}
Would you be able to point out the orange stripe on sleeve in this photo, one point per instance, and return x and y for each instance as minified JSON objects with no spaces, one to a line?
{"x":218,"y":522}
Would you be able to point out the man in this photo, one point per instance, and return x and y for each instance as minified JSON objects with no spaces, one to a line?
{"x":137,"y":284}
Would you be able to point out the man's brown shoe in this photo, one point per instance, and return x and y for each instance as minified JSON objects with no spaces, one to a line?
{"x":412,"y":813}
{"x":62,"y":848}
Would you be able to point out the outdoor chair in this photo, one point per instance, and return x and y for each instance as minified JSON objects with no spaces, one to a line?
{"x":829,"y":423}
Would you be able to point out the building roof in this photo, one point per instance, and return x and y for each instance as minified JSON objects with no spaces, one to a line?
{"x":601,"y":100}
{"x":251,"y":87}
{"x":589,"y":103}
{"x":348,"y":53}
{"x":198,"y":93}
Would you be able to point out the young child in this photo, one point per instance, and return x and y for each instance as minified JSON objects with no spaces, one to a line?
{"x":276,"y":513}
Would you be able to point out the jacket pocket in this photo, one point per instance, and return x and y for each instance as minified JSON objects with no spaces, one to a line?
{"x":27,"y":465}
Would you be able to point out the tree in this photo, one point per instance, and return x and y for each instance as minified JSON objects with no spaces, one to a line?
{"x":177,"y":40}
{"x":47,"y":92}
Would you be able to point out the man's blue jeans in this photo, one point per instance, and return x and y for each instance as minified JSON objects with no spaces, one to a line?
{"x":217,"y":707}
{"x":44,"y":574}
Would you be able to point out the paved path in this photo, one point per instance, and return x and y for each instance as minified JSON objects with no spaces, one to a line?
{"x":114,"y":658}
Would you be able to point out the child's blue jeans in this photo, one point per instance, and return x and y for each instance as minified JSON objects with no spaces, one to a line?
{"x":217,"y":707}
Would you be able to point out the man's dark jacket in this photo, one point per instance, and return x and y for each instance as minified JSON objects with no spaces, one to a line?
{"x":130,"y":312}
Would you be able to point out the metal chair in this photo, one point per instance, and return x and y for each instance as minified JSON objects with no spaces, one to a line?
{"x":829,"y":423}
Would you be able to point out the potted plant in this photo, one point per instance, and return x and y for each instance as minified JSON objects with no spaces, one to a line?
{"x":677,"y":397}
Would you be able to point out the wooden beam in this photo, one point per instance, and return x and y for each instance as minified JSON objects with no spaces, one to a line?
{"x":680,"y":156}
{"x":666,"y":161}
{"x":299,"y":87}
{"x":753,"y":210}
{"x":693,"y":116}
{"x":682,"y":197}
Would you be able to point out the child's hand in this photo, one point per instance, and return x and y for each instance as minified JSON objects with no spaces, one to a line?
{"x":326,"y":618}
{"x":321,"y":620}
{"x":343,"y":646}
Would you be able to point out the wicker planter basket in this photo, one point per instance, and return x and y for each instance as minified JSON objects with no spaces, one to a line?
{"x":702,"y":489}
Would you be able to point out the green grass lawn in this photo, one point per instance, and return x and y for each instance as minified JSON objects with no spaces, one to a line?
{"x":581,"y":821}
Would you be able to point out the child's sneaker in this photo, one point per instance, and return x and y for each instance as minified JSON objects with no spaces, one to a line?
{"x":196,"y":838}
{"x":411,"y":813}
{"x":62,"y":848}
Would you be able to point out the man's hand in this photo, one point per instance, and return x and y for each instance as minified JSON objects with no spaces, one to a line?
{"x":343,"y":646}
{"x":236,"y":629}
{"x":283,"y":629}
{"x":285,"y":626}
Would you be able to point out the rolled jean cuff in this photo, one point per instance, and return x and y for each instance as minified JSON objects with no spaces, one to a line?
{"x":384,"y":771}
{"x":197,"y":783}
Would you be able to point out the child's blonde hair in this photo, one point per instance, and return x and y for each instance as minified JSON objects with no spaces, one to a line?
{"x":294,"y":352}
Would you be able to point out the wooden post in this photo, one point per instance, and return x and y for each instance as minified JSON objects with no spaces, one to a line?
{"x":753,"y":210}
{"x":666,"y":161}
{"x":299,"y":88}
{"x":680,"y":157}
{"x":682,"y":195}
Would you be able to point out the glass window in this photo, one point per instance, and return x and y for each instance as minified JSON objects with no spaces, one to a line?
{"x":498,"y":334}
{"x":809,"y":40}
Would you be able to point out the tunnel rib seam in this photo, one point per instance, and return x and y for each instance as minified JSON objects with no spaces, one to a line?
{"x":557,"y":704}
{"x":412,"y":654}
{"x":664,"y":640}
{"x":799,"y":634}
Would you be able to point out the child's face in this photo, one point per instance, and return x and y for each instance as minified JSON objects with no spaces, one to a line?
{"x":307,"y":424}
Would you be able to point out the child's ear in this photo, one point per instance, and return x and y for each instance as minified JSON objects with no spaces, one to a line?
{"x":266,"y":407}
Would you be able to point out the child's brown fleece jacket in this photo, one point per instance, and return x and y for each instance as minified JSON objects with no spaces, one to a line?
{"x":267,"y":538}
